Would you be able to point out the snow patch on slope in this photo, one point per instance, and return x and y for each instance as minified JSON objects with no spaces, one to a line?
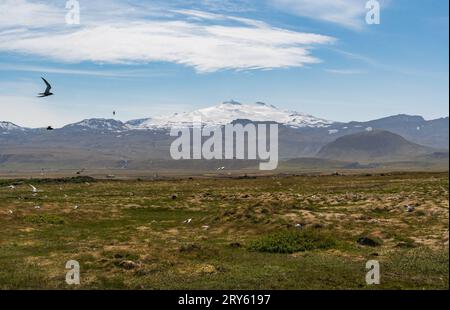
{"x":227,"y":112}
{"x":8,"y":126}
{"x":98,"y":124}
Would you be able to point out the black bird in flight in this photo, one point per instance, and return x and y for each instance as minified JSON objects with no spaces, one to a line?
{"x":47,"y":90}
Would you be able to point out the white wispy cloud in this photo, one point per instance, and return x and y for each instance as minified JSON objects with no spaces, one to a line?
{"x":67,"y":71}
{"x":205,"y":41}
{"x":344,"y":71}
{"x":347,"y":13}
{"x":21,"y":13}
{"x":229,"y":5}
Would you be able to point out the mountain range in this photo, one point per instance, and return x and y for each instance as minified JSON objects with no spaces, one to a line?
{"x":112,"y":143}
{"x":220,"y":114}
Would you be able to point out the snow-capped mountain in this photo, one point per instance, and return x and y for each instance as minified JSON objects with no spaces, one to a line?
{"x":98,"y":124}
{"x":139,"y":140}
{"x":8,"y":126}
{"x":229,"y":111}
{"x":221,"y":114}
{"x":433,"y":133}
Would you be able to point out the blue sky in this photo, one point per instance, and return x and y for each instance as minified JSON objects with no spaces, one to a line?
{"x":150,"y":58}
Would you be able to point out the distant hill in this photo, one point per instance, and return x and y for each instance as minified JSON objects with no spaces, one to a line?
{"x":370,"y":146}
{"x":433,"y":133}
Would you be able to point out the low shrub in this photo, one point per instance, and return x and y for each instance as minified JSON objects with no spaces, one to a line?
{"x":291,"y":241}
{"x":44,"y":219}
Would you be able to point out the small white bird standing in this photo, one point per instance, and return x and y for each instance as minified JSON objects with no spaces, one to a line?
{"x":187,"y":221}
{"x":10,"y":212}
{"x":11,"y":187}
{"x":75,"y":207}
{"x":205,"y":227}
{"x":409,"y":208}
{"x":33,"y":189}
{"x":37,"y":207}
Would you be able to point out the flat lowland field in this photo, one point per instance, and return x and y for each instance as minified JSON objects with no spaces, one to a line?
{"x":273,"y":232}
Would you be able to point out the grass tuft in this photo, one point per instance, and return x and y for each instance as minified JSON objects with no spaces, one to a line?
{"x":44,"y":219}
{"x":291,"y":241}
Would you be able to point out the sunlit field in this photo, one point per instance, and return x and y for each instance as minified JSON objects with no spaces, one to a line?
{"x":272,"y":232}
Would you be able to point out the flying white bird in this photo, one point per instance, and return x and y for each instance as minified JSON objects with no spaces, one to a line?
{"x":37,"y":207}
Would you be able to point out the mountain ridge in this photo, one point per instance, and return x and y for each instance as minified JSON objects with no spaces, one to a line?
{"x":229,"y":111}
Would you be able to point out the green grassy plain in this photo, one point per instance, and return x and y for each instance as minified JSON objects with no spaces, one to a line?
{"x":131,"y":234}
